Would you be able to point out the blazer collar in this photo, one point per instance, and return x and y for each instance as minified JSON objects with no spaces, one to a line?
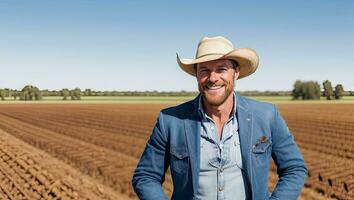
{"x":241,"y":103}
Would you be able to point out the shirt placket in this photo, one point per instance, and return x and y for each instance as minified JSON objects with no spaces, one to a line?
{"x":221,"y":183}
{"x":220,"y":174}
{"x":222,"y":157}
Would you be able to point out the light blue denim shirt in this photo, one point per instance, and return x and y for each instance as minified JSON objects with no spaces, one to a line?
{"x":220,"y":174}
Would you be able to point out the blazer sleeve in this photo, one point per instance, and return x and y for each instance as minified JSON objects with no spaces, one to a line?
{"x":291,"y":166}
{"x":150,"y":172}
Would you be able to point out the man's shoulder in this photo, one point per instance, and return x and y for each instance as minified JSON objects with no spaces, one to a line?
{"x":255,"y":104}
{"x":259,"y":108}
{"x":182,"y":110}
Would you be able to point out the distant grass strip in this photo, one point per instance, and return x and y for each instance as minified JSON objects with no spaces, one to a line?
{"x":172,"y":100}
{"x":110,"y":99}
{"x":288,"y":100}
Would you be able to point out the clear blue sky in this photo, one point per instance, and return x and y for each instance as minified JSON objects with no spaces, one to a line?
{"x":132,"y":45}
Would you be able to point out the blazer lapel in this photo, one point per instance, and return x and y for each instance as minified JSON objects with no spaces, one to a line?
{"x":192,"y":131}
{"x":244,"y":118}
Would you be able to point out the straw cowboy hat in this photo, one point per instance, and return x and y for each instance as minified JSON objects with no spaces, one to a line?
{"x":214,"y":48}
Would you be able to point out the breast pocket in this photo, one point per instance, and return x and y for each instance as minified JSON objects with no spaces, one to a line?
{"x":179,"y":159}
{"x":261,"y":152}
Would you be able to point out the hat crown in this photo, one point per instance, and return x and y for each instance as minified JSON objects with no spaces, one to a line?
{"x":213,"y":46}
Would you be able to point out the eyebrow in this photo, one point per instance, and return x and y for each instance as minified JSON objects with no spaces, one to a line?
{"x":199,"y":68}
{"x":218,"y":66}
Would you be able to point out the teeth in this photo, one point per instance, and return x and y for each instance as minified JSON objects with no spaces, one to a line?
{"x":214,"y":87}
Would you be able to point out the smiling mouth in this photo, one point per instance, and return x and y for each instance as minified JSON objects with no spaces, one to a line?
{"x":214,"y":87}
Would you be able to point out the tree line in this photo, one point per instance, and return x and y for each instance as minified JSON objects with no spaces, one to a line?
{"x":30,"y":92}
{"x":311,"y":90}
{"x":302,"y":90}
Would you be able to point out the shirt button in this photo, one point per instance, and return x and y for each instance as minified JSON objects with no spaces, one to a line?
{"x":221,"y":169}
{"x":221,"y":189}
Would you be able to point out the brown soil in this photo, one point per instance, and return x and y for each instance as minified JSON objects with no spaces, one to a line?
{"x":89,"y":151}
{"x":29,"y":173}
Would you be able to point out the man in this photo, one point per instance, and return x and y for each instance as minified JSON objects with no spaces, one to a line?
{"x":219,"y":145}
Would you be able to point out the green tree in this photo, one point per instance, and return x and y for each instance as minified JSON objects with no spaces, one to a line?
{"x":75,"y":94}
{"x":65,"y":93}
{"x":296,"y":92}
{"x":338,"y":91}
{"x":7,"y":92}
{"x":15,"y":94}
{"x":2,"y":94}
{"x":312,"y":90}
{"x":317,"y":90}
{"x":328,"y":90}
{"x":308,"y":90}
{"x":30,"y":92}
{"x":87,"y":92}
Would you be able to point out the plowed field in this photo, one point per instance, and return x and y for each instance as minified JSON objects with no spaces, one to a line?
{"x":89,"y":151}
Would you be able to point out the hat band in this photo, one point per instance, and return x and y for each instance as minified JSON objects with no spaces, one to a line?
{"x":209,"y":54}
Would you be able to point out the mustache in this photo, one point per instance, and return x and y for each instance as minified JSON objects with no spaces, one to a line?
{"x":213,"y":85}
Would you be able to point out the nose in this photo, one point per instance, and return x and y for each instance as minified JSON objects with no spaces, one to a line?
{"x":213,"y":77}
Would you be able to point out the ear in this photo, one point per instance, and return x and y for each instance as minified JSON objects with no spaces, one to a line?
{"x":237,"y":73}
{"x":196,"y":72}
{"x":195,"y":69}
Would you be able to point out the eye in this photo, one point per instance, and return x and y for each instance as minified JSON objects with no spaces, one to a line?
{"x":222,"y":69}
{"x":203,"y":71}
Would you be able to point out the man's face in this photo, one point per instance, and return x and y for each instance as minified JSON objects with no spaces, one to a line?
{"x":216,"y":80}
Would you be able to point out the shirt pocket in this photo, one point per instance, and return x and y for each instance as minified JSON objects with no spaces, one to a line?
{"x":261,"y":152}
{"x":179,"y":159}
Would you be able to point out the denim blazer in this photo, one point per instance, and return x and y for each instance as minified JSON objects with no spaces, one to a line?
{"x":175,"y":143}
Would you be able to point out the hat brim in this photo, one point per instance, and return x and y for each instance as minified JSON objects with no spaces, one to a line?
{"x":246,"y":58}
